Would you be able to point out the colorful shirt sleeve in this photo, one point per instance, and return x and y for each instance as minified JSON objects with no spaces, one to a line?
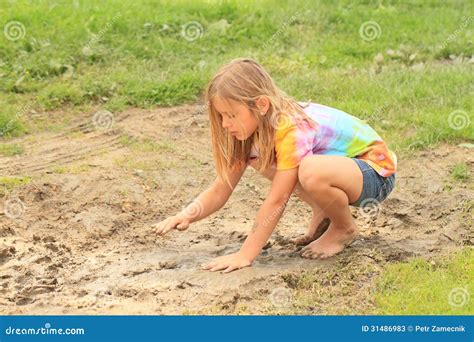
{"x":292,"y":143}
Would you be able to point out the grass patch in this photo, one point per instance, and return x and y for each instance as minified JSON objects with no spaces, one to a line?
{"x":113,"y":55}
{"x":71,"y":169}
{"x":7,"y":184}
{"x":420,"y":287}
{"x":363,"y":283}
{"x":9,"y":150}
{"x":460,"y":172}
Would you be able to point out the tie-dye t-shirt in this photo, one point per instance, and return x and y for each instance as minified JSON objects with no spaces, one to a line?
{"x":335,"y":133}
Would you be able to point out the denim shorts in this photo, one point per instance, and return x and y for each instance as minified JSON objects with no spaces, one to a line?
{"x":375,"y":187}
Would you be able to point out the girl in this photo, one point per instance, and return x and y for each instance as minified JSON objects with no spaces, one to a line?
{"x":330,"y":159}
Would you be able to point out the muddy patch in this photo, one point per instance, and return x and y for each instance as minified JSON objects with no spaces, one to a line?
{"x":80,"y":239}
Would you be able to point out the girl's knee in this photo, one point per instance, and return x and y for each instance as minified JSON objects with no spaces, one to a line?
{"x":311,"y":174}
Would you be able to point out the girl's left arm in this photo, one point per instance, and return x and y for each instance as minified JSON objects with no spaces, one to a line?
{"x":268,"y":216}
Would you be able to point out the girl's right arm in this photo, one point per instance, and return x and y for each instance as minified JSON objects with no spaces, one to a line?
{"x":208,"y":202}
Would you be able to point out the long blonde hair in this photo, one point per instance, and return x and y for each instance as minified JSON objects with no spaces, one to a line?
{"x":244,"y":80}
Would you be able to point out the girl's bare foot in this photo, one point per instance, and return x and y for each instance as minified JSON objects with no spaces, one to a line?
{"x":317,"y":227}
{"x":331,"y":242}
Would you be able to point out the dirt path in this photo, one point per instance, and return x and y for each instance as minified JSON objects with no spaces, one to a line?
{"x":80,"y":241}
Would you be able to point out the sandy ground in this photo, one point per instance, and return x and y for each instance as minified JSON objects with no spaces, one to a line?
{"x":80,"y":239}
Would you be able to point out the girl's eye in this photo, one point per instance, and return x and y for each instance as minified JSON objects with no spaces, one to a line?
{"x":229,"y":115}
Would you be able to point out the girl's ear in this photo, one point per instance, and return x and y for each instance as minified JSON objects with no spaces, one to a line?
{"x":263,"y":104}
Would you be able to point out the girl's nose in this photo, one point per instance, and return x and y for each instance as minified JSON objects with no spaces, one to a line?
{"x":225,"y":123}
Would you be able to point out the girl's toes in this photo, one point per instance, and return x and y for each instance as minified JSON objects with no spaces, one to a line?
{"x":305,"y":253}
{"x":316,"y":256}
{"x":308,"y":254}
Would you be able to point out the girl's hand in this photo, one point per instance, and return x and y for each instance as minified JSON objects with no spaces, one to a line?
{"x":229,"y":262}
{"x":178,"y":221}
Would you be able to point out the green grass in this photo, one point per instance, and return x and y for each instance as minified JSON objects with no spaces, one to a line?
{"x":9,"y":150}
{"x":74,"y":169}
{"x":9,"y":183}
{"x":460,"y":172}
{"x":365,"y":284}
{"x":312,"y":48}
{"x":443,"y":286}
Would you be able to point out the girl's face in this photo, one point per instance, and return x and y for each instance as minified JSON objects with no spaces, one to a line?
{"x":236,"y":118}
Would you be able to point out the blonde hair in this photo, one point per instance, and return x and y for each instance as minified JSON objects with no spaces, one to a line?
{"x":244,"y":80}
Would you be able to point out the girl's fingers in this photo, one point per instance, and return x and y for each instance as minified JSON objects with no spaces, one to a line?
{"x":209,"y":265}
{"x":158,"y":226}
{"x":173,"y":222}
{"x":161,"y":226}
{"x":183,"y":225}
{"x":167,"y":225}
{"x":163,"y":223}
{"x":163,"y":229}
{"x":230,"y":269}
{"x":215,"y":268}
{"x":218,"y":267}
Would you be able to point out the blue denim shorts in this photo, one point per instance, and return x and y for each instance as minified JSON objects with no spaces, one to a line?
{"x":375,"y":187}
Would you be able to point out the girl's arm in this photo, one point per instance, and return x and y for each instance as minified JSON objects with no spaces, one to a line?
{"x":213,"y":198}
{"x":268,"y":216}
{"x":208,"y":202}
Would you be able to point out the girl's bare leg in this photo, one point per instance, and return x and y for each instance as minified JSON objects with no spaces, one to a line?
{"x":332,"y":182}
{"x":319,"y":222}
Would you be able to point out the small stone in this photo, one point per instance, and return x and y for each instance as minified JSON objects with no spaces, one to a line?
{"x":378,"y":59}
{"x":394,"y":222}
{"x":139,"y":173}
